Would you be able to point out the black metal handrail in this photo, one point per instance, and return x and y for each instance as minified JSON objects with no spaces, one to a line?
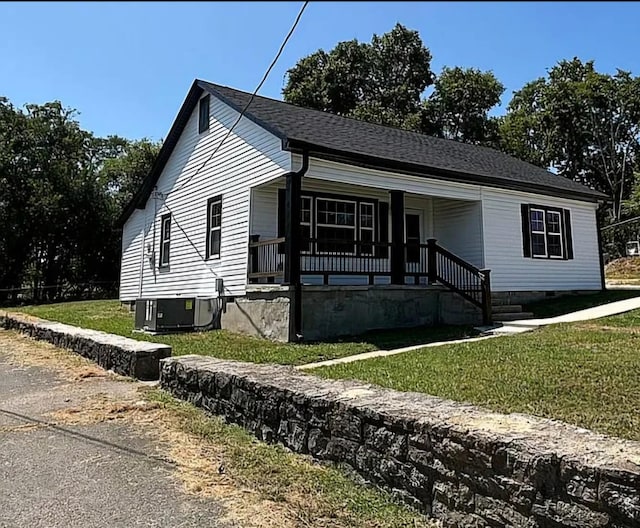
{"x":461,"y":277}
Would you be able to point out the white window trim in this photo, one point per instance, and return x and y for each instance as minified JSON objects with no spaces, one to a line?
{"x":537,"y":232}
{"x":353,"y":228}
{"x":213,"y":229}
{"x":165,"y":242}
{"x":545,"y":233}
{"x":556,"y":233}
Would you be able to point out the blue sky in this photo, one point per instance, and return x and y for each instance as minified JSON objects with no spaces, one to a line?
{"x":126,"y":67}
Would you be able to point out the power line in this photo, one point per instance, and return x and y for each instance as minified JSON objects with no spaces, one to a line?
{"x":255,"y":92}
{"x":173,"y":220}
{"x":621,"y":223}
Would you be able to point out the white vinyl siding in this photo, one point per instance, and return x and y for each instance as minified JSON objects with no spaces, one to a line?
{"x":504,"y":256}
{"x":458,"y":228}
{"x":132,"y":256}
{"x":250,"y":156}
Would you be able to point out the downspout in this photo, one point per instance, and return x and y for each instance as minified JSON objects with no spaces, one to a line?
{"x":292,"y":254}
{"x":603,"y":284}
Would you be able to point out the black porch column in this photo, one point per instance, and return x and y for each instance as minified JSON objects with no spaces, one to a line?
{"x":292,"y":230}
{"x":397,"y":237}
{"x":292,"y":252}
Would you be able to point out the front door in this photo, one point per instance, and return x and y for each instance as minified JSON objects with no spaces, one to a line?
{"x":412,"y":223}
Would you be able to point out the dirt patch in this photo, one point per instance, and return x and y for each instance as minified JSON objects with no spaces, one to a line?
{"x":199,"y":465}
{"x":623,"y":268}
{"x":26,"y":352}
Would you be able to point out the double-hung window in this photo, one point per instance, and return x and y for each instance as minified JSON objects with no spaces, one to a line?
{"x":335,"y":226}
{"x":367,"y":230}
{"x":165,"y":239}
{"x":546,"y":232}
{"x":214,"y":226}
{"x":330,"y":224}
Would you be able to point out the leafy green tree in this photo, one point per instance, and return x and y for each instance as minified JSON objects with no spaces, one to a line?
{"x":61,"y":193}
{"x":125,"y":164}
{"x":14,"y":195}
{"x":583,"y":123}
{"x":381,"y":81}
{"x":459,"y":106}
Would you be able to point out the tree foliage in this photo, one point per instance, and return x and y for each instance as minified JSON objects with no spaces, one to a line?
{"x":583,"y":123}
{"x":380,"y":81}
{"x":459,"y":106}
{"x":384,"y":81}
{"x":61,"y":192}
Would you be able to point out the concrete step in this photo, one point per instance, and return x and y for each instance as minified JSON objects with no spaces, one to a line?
{"x":512,"y":316}
{"x":506,"y":308}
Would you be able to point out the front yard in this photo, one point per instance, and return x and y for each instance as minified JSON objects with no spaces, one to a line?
{"x":109,"y":316}
{"x":581,"y":373}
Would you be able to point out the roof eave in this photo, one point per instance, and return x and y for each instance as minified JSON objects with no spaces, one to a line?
{"x":372,"y":162}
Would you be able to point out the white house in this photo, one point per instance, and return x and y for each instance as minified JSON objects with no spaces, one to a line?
{"x":304,"y":224}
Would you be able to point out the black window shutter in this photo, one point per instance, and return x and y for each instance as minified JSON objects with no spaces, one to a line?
{"x":568,"y":237}
{"x":282,"y":202}
{"x":526,"y":230}
{"x":383,"y":229}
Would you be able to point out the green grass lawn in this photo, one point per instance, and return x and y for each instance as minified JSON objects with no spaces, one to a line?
{"x":109,"y":316}
{"x":582,"y":373}
{"x":572,"y":303}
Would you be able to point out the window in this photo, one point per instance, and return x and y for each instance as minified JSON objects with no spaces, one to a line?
{"x":554,"y":234}
{"x":165,"y":239}
{"x":538,"y":237}
{"x":546,"y":232}
{"x":367,"y":233}
{"x":214,"y":226}
{"x":203,"y":114}
{"x":335,"y":226}
{"x":306,"y":214}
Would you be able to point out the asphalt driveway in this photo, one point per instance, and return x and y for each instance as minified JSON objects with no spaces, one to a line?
{"x":94,"y":475}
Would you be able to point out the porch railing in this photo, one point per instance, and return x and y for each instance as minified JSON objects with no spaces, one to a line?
{"x":266,"y":258}
{"x":424,"y":263}
{"x":461,"y":277}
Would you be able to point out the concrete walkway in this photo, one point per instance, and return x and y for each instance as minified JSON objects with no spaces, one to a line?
{"x":384,"y":353}
{"x":604,"y":310}
{"x":513,"y":327}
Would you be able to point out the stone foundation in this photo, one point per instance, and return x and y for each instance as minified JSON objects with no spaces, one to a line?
{"x":455,"y":462}
{"x":329,"y":312}
{"x":125,"y":356}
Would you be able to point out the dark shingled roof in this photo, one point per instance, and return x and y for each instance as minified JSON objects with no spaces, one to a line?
{"x":348,"y":140}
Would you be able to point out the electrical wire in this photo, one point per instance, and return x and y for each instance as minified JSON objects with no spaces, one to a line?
{"x":174,"y":221}
{"x":635,"y":219}
{"x":253,"y":95}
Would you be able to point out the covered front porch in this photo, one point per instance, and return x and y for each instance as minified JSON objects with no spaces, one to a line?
{"x":313,"y":232}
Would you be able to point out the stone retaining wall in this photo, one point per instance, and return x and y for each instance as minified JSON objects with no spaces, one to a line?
{"x":124,"y":356}
{"x":456,"y":462}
